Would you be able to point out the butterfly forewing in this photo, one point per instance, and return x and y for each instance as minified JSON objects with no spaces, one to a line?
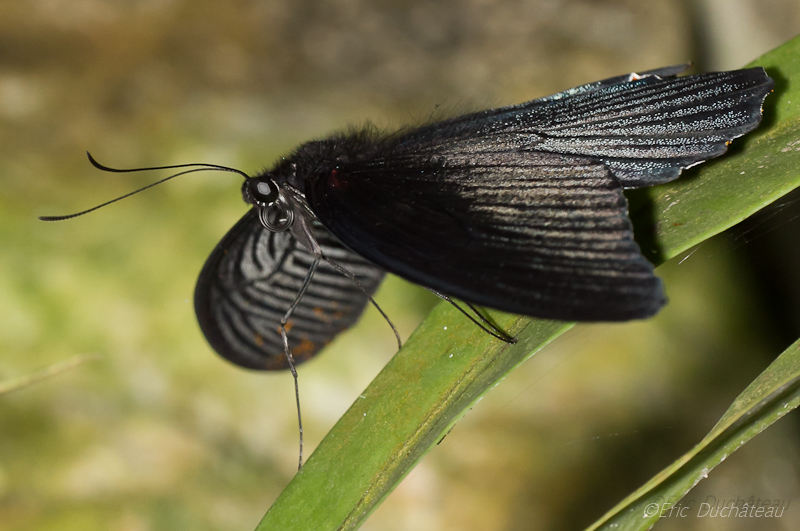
{"x":547,"y":237}
{"x":521,"y":208}
{"x":251,"y":279}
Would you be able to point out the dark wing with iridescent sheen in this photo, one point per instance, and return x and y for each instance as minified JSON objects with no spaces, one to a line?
{"x":546,"y":236}
{"x":645,"y":127}
{"x":251,"y":279}
{"x":648,"y":130}
{"x":521,"y":208}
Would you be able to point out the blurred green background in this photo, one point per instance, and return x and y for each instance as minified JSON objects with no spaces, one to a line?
{"x":161,"y":434}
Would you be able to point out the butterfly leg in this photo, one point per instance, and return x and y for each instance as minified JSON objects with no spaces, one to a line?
{"x":358,"y":283}
{"x":484,"y":324}
{"x":505,"y":337}
{"x":288,"y":352}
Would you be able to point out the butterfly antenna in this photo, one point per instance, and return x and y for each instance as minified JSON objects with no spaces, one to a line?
{"x":199,"y":165}
{"x":195,"y":168}
{"x":351,"y":276}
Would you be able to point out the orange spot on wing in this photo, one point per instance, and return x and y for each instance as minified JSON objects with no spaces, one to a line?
{"x":305,"y":350}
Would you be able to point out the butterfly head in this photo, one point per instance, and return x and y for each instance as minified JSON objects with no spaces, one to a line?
{"x":273,"y":209}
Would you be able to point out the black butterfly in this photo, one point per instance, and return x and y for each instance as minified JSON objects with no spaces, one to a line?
{"x":518,"y":208}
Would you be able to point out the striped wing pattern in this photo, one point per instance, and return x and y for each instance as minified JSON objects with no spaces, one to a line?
{"x":645,"y":131}
{"x":521,"y":208}
{"x":547,"y":237}
{"x":253,"y":276}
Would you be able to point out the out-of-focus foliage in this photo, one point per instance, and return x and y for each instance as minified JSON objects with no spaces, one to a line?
{"x":775,"y":393}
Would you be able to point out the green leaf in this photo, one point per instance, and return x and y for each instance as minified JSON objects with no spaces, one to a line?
{"x":448,"y":363}
{"x":771,"y":396}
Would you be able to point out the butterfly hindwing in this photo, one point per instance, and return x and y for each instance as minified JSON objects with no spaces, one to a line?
{"x":253,"y":276}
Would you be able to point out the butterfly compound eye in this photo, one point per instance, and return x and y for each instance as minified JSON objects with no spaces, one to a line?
{"x":264,"y":192}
